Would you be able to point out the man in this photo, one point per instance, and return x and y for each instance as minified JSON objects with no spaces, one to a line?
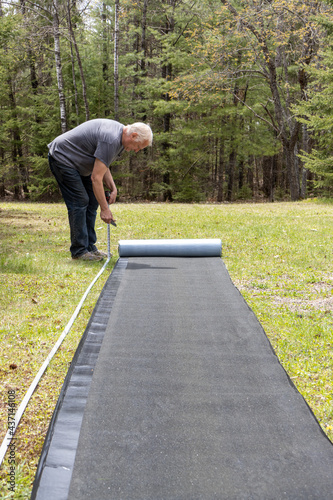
{"x":80,"y":159}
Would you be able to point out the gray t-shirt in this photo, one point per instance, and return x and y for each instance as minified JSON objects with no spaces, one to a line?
{"x":78,"y":148}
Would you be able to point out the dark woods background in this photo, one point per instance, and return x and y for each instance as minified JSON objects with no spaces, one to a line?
{"x":238,"y":94}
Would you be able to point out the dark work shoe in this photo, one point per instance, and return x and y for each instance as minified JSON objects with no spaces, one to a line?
{"x":89,"y":256}
{"x":101,"y":254}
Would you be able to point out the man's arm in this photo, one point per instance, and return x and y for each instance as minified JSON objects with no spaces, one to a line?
{"x":109,"y":182}
{"x":97,"y":177}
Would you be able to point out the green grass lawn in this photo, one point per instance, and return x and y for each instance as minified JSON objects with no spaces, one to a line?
{"x":278,"y":255}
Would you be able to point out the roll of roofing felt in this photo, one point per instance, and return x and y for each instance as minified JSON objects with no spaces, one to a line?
{"x":170,"y":248}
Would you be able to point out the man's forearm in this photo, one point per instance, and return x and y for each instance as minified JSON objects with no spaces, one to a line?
{"x":97,"y":178}
{"x":100,"y":194}
{"x":108,"y":181}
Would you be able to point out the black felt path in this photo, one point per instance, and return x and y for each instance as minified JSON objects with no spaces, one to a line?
{"x":188,"y":400}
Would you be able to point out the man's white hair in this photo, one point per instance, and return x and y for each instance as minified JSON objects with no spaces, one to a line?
{"x":144,"y":132}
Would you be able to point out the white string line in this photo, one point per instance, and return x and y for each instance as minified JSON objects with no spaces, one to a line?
{"x":10,"y":433}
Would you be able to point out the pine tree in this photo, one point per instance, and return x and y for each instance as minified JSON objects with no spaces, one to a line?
{"x":316,"y":112}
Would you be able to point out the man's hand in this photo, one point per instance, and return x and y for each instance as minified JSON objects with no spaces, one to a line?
{"x":106,"y":216}
{"x":113,"y":196}
{"x":110,"y":197}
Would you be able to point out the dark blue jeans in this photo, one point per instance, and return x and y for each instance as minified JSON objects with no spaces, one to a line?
{"x":82,"y":205}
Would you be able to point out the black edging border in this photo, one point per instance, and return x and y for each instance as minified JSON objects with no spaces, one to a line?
{"x":84,"y":360}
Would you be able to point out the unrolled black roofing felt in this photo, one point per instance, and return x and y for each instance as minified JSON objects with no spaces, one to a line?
{"x":176,"y":393}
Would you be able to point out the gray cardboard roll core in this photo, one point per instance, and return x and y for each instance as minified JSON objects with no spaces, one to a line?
{"x":170,"y":248}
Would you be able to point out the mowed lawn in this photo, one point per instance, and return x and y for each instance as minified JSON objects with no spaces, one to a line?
{"x":278,"y":255}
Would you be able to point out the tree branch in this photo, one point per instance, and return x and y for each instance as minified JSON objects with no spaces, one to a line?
{"x":272,"y":125}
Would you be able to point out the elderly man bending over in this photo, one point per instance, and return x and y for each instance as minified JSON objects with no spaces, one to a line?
{"x":80,"y":159}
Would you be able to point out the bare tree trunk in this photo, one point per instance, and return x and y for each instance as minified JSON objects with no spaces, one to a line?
{"x":267,"y":176}
{"x":241,"y":174}
{"x":33,"y":74}
{"x":105,"y":65}
{"x":256,"y":185}
{"x":292,"y":169}
{"x":220,"y":179}
{"x":116,"y":57}
{"x":250,"y":174}
{"x":143,"y":37}
{"x":215,"y":159}
{"x":305,"y":171}
{"x":269,"y":172}
{"x":166,"y":71}
{"x":76,"y":101}
{"x":21,"y":173}
{"x":144,"y":51}
{"x":231,"y":174}
{"x":83,"y":80}
{"x":60,"y":80}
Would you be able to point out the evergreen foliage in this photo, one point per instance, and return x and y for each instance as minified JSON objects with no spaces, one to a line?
{"x":237,"y":94}
{"x":316,"y":113}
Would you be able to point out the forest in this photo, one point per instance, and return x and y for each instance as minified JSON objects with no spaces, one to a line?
{"x":238,"y":94}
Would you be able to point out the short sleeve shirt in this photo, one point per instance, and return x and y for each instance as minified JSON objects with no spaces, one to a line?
{"x":78,"y":148}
